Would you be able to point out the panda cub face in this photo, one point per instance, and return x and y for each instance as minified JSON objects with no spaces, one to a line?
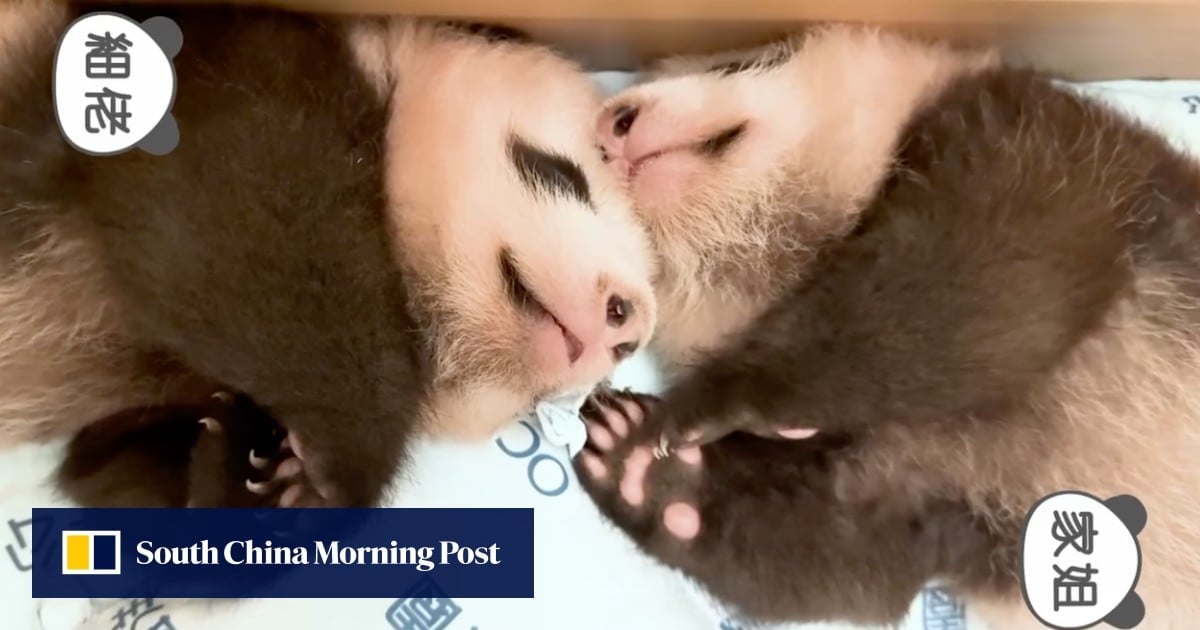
{"x":743,"y":164}
{"x":743,"y":132}
{"x":702,"y":137}
{"x":532,"y":272}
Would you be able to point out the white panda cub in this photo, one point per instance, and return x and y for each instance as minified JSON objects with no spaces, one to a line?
{"x":370,"y":228}
{"x":966,"y":286}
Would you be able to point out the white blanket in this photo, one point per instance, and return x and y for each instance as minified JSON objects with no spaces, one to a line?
{"x":587,"y":574}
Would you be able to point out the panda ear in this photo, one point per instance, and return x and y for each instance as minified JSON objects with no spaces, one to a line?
{"x":1130,"y":510}
{"x":1128,"y":614}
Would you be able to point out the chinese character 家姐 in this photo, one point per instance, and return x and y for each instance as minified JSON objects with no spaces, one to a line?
{"x":1074,"y":586}
{"x":1075,"y":529}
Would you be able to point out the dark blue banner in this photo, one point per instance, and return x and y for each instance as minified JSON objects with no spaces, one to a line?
{"x":252,"y":553}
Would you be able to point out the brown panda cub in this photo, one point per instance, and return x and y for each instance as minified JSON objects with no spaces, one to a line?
{"x":369,"y":228}
{"x":968,"y":287}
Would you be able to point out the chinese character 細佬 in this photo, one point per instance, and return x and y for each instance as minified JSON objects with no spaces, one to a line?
{"x":106,"y":106}
{"x":1074,"y":586}
{"x":107,"y":58}
{"x":127,"y":618}
{"x":1075,"y":529}
{"x":111,"y":106}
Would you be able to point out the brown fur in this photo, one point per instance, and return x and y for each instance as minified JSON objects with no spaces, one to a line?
{"x":161,"y":456}
{"x":1010,"y":307}
{"x":295,"y":247}
{"x":750,"y":224}
{"x":209,"y":278}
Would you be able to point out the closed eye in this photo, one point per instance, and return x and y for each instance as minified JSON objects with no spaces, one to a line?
{"x":515,"y":286}
{"x":720,"y":143}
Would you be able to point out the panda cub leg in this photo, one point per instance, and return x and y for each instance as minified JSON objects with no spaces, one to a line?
{"x":639,"y":477}
{"x":244,"y":457}
{"x":762,"y":525}
{"x":645,"y":494}
{"x":239,"y":452}
{"x":223,"y":451}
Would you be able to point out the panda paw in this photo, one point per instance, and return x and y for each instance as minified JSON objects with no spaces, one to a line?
{"x":243,"y":458}
{"x":649,"y":496}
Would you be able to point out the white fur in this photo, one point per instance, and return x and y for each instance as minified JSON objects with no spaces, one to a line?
{"x":458,"y":200}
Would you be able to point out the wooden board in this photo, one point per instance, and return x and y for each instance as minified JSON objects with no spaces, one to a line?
{"x":1084,"y":39}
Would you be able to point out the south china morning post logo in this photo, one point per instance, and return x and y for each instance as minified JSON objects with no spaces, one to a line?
{"x":333,"y":552}
{"x":1080,"y":561}
{"x":91,"y":552}
{"x":114,"y":84}
{"x":294,"y":553}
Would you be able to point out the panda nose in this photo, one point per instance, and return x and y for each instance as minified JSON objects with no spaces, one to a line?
{"x":623,"y":119}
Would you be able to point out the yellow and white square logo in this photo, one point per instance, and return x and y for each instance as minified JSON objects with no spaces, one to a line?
{"x":91,"y":553}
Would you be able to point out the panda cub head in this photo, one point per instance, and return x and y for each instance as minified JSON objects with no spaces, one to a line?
{"x":742,"y":164}
{"x":532,"y":276}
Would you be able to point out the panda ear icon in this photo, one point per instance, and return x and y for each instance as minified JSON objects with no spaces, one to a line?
{"x":1080,"y":560}
{"x":1128,"y":614}
{"x":106,"y":65}
{"x":166,"y":33}
{"x":1130,"y":510}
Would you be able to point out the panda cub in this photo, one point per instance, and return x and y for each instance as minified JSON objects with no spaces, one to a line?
{"x":906,"y":292}
{"x":370,"y":229}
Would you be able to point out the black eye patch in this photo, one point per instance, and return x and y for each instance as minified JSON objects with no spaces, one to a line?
{"x":718,"y":144}
{"x":771,"y":58}
{"x":732,"y":67}
{"x":546,"y":173}
{"x":491,"y":32}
